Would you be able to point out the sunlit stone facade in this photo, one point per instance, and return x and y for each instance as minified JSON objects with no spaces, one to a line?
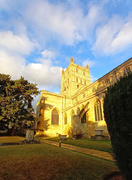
{"x":78,"y":109}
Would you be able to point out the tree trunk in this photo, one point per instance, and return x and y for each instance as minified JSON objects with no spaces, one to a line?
{"x":13,"y":130}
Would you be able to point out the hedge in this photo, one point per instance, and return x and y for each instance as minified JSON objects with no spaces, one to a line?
{"x":118,"y":117}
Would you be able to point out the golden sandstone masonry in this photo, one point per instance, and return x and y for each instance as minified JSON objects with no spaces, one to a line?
{"x":78,"y":109}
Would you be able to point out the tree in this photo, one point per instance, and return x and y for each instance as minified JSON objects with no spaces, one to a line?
{"x":5,"y":83}
{"x":16,"y":98}
{"x":118,"y":116}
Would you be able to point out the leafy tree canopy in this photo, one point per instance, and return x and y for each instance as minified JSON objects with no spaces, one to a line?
{"x":16,"y":98}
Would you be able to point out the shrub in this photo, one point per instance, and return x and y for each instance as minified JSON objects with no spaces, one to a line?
{"x":118,"y":116}
{"x":77,"y":136}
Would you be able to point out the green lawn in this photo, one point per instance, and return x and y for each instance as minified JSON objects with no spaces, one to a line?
{"x":102,"y":145}
{"x":45,"y":162}
{"x":10,"y":139}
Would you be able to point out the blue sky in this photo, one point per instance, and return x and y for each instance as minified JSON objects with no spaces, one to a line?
{"x":38,"y":37}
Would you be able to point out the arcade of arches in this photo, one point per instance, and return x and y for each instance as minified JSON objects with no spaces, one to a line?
{"x":78,"y":109}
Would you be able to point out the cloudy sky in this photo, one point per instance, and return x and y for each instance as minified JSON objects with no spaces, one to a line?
{"x":38,"y":37}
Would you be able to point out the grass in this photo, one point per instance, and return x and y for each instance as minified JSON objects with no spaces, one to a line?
{"x":10,"y":139}
{"x":45,"y":162}
{"x":102,"y":145}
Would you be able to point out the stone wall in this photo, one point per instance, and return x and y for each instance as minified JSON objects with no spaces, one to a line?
{"x":73,"y":100}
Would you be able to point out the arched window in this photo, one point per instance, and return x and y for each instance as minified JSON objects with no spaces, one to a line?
{"x":55,"y":117}
{"x":65,"y":118}
{"x":83,"y":118}
{"x":98,"y":111}
{"x":72,"y":112}
{"x":127,"y":70}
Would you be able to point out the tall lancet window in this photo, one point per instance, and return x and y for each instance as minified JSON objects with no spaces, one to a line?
{"x":98,"y":111}
{"x":55,"y":117}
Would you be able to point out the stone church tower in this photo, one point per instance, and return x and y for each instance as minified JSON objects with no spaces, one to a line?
{"x":74,"y":78}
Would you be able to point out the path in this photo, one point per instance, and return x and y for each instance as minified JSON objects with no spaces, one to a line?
{"x":97,"y":153}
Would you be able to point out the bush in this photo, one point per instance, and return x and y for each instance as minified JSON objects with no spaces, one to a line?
{"x":78,"y":136}
{"x":118,"y":116}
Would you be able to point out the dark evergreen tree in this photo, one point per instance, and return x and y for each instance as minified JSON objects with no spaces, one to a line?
{"x":5,"y":84}
{"x":16,"y":98}
{"x":118,"y":116}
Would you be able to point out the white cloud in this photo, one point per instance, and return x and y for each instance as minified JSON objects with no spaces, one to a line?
{"x":94,"y":17}
{"x":15,"y":43}
{"x":11,"y":65}
{"x":67,"y":22}
{"x":55,"y":20}
{"x":114,"y":36}
{"x":48,"y":54}
{"x":44,"y":74}
{"x":90,"y":63}
{"x":64,"y":23}
{"x":124,"y":37}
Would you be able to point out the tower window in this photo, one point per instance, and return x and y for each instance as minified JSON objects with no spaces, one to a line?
{"x":76,"y":79}
{"x":77,"y":86}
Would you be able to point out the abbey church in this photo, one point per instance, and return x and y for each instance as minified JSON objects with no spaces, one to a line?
{"x":78,"y":109}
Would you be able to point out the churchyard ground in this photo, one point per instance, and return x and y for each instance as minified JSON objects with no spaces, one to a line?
{"x":45,"y":162}
{"x":102,"y":145}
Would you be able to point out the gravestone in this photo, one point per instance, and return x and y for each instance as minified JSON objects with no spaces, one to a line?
{"x":63,"y":137}
{"x":30,"y":135}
